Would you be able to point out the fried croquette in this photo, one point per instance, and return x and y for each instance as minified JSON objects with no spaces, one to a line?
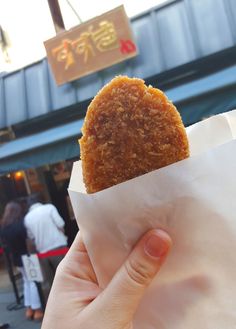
{"x":129,"y":130}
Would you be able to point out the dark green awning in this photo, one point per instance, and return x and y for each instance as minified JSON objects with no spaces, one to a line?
{"x":60,"y":143}
{"x":46,"y":147}
{"x":203,"y":106}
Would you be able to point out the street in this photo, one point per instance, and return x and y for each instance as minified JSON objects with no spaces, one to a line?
{"x":15,"y":318}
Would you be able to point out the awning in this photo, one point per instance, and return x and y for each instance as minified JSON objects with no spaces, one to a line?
{"x":196,"y":88}
{"x":206,"y":96}
{"x":204,"y":106}
{"x":46,"y":147}
{"x":196,"y":100}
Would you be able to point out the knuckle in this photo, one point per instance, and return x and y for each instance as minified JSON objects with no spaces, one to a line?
{"x":139,"y":273}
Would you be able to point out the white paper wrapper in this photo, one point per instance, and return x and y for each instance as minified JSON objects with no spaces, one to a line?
{"x":194,"y":200}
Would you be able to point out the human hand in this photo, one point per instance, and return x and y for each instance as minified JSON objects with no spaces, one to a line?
{"x":76,"y":301}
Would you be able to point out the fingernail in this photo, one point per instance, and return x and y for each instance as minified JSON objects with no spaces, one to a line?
{"x":157,"y":245}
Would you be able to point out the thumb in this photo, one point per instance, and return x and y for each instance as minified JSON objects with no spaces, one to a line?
{"x":123,"y":294}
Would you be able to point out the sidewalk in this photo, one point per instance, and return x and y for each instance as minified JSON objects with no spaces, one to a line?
{"x":16,"y":318}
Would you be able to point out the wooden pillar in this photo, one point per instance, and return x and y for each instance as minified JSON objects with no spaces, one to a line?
{"x":56,"y":16}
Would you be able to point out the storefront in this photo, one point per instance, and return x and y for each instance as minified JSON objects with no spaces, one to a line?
{"x":181,"y":52}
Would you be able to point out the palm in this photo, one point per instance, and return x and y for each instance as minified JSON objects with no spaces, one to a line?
{"x":75,"y":287}
{"x":76,"y":301}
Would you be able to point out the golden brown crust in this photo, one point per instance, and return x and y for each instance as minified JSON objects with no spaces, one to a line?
{"x":130,"y":129}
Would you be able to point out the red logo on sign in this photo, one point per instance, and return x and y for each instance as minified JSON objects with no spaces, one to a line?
{"x":127,"y":46}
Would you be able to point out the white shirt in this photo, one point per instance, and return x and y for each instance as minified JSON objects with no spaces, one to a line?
{"x":43,"y":224}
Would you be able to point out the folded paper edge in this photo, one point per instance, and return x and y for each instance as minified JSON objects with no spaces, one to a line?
{"x":76,"y":181}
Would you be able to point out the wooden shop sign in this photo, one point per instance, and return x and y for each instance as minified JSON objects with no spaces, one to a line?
{"x":91,"y":46}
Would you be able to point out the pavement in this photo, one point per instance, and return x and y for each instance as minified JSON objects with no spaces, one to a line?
{"x":16,"y":316}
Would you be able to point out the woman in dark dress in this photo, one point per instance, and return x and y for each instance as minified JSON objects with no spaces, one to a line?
{"x":13,"y":235}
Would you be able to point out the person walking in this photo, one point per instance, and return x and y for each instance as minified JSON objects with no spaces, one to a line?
{"x":46,"y":228}
{"x":13,"y":235}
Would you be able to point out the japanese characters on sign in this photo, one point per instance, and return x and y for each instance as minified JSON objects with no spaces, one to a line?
{"x":92,"y":46}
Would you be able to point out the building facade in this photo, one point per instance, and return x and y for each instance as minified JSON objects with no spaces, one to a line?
{"x":187,"y":48}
